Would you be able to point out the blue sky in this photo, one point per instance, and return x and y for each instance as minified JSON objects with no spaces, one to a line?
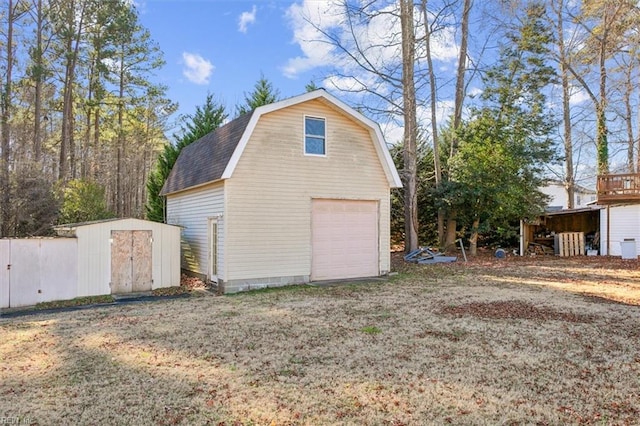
{"x":222,"y":47}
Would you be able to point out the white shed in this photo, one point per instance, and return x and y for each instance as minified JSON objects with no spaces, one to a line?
{"x":125,"y":255}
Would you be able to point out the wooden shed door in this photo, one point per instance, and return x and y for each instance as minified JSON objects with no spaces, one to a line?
{"x":131,"y":261}
{"x":344,"y":239}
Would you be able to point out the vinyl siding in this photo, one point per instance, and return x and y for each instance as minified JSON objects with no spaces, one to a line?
{"x":270,"y":192}
{"x":625,"y":223}
{"x":192,"y":210}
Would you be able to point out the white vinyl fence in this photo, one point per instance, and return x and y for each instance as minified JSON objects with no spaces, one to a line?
{"x":37,"y":270}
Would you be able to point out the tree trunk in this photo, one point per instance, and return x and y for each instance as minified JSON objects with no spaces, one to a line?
{"x":473,"y":240}
{"x":460,"y":74}
{"x":628,"y":118}
{"x":410,"y":126}
{"x":95,"y":145}
{"x":434,"y":117}
{"x":67,"y":142}
{"x":5,"y":127}
{"x":38,"y":74}
{"x":602,"y":146}
{"x":457,"y":113}
{"x":569,"y":180}
{"x":451,"y":236}
{"x":121,"y":146}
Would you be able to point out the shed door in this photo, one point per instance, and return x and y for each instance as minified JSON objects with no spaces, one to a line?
{"x":344,"y":239}
{"x":131,"y":261}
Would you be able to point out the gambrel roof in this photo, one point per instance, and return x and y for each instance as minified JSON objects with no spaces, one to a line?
{"x":215,"y":156}
{"x":205,"y":160}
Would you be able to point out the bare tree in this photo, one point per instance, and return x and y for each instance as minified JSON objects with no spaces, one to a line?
{"x":381,"y":70}
{"x":15,"y":9}
{"x":605,"y":22}
{"x":410,"y":126}
{"x":458,"y":105}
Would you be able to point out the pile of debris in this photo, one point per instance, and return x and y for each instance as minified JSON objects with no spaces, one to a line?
{"x":424,"y":255}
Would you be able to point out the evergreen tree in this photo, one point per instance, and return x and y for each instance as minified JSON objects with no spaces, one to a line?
{"x":206,"y":119}
{"x":506,"y":144}
{"x":83,"y":201}
{"x":311,"y":86}
{"x":263,"y":94}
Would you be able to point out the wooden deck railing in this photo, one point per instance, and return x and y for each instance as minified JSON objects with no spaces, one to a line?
{"x":618,"y":188}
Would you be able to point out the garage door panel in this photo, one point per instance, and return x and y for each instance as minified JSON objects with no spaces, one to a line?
{"x":344,"y":239}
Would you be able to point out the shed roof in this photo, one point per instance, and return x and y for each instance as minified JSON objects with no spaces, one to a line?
{"x":71,"y":226}
{"x":591,"y":208}
{"x":215,"y":156}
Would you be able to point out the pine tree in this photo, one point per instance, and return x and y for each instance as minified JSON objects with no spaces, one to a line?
{"x":206,"y":119}
{"x":263,"y":94}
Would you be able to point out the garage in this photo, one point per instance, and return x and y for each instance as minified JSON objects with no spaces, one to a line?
{"x":344,"y":239}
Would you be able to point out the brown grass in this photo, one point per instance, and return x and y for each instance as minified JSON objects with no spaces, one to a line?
{"x":533,"y":341}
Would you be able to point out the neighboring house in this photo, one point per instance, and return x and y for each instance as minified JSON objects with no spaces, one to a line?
{"x":620,"y":219}
{"x":295,"y":191}
{"x":559,"y":199}
{"x":611,"y":225}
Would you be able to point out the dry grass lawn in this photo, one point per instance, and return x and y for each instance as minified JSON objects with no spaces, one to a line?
{"x":526,"y":341}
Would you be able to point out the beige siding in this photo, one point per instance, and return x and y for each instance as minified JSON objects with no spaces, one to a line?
{"x":192,"y":210}
{"x":270,"y":192}
{"x":94,"y":254}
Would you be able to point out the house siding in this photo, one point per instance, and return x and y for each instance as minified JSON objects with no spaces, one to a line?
{"x":192,"y":210}
{"x":271,"y":191}
{"x":625,"y":223}
{"x":560,"y":199}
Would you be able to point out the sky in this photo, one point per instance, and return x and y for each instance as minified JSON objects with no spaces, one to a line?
{"x":223,"y":47}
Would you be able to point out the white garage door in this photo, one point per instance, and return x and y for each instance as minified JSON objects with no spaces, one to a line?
{"x":344,"y":236}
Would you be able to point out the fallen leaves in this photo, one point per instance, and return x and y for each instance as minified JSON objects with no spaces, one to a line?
{"x":513,"y":309}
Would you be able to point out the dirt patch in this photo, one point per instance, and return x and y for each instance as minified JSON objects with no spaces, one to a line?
{"x":513,"y":310}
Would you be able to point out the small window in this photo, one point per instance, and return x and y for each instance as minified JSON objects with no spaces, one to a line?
{"x":314,"y":136}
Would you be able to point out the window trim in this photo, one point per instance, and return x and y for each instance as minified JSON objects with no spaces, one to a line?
{"x":304,"y":135}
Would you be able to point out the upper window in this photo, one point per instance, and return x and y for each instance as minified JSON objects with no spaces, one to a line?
{"x":314,"y":136}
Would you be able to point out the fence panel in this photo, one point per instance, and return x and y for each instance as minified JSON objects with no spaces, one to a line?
{"x":58,"y":269}
{"x":42,"y":270}
{"x":25,"y":272}
{"x":5,"y":261}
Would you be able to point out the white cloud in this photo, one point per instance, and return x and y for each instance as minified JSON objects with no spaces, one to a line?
{"x":196,"y":68}
{"x":377,"y":38}
{"x":245,"y":19}
{"x":308,"y":19}
{"x":578,"y":96}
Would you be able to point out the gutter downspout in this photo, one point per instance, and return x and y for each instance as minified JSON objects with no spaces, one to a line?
{"x":608,"y":230}
{"x":521,"y":237}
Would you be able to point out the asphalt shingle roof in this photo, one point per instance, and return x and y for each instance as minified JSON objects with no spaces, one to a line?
{"x":206,"y":159}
